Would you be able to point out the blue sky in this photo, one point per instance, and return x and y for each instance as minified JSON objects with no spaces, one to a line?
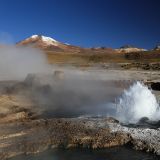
{"x":87,"y":23}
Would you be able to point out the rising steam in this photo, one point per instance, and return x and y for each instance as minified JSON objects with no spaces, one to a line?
{"x":137,"y":102}
{"x":77,"y":93}
{"x":17,"y":62}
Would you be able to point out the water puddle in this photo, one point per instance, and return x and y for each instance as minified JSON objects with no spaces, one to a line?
{"x":116,"y":153}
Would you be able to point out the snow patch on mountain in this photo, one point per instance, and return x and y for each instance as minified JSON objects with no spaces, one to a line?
{"x":46,"y":40}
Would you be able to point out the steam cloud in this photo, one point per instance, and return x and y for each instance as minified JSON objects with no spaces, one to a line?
{"x":17,"y":62}
{"x":78,"y":92}
{"x":75,"y":95}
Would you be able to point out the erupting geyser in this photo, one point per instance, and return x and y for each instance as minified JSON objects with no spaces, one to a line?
{"x":137,"y":102}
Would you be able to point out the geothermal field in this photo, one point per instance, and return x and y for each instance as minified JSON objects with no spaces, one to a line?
{"x":61,"y":110}
{"x":79,"y":79}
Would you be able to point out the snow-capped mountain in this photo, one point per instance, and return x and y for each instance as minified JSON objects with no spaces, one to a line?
{"x":39,"y":41}
{"x":47,"y":43}
{"x":50,"y":44}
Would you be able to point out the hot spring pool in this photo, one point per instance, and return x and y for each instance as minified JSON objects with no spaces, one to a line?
{"x":116,"y":153}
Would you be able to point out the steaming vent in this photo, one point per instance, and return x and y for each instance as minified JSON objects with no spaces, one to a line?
{"x":137,"y":102}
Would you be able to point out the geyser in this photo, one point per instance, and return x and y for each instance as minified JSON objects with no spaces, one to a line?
{"x":137,"y":102}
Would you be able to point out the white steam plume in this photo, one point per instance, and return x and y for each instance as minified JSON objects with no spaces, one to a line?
{"x":17,"y":62}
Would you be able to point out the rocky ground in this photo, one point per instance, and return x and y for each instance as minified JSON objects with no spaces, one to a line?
{"x":24,"y":135}
{"x":25,"y":131}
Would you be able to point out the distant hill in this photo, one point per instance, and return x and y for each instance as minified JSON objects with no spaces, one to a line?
{"x":47,"y":44}
{"x":50,"y":44}
{"x":129,"y":49}
{"x":59,"y":52}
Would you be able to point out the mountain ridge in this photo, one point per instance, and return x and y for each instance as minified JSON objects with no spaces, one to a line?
{"x":50,"y":44}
